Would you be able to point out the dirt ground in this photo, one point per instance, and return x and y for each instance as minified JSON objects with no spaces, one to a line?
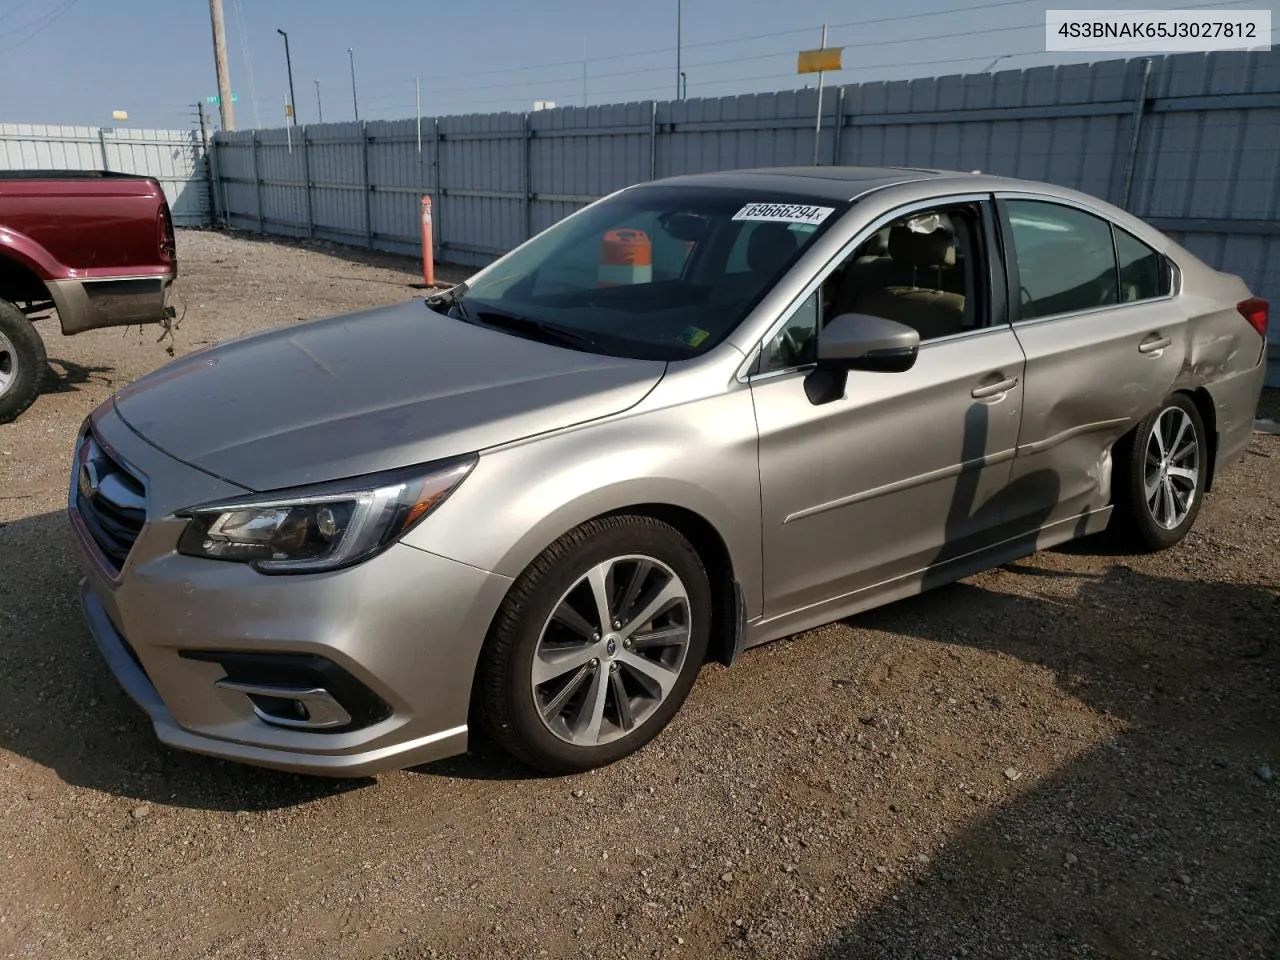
{"x":1075,"y":755}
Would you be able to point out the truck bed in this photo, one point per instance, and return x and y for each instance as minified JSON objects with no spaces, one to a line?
{"x":69,"y":175}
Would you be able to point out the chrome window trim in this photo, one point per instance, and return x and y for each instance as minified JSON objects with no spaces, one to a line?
{"x":1175,"y":279}
{"x":860,"y":236}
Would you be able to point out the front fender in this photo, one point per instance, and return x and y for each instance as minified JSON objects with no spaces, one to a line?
{"x":700,"y":457}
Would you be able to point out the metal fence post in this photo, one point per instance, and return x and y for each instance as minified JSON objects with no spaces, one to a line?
{"x":102,"y":141}
{"x":653,"y":139}
{"x":257,"y":183}
{"x":838,"y":128}
{"x":1139,"y":111}
{"x":528,"y":178}
{"x":438,"y":214}
{"x":208,"y":166}
{"x":368,"y":187}
{"x":306,"y":179}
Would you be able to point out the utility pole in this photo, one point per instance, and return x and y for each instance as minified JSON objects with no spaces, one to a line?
{"x":319,"y":108}
{"x":226,"y":108}
{"x":679,"y":29}
{"x":288,"y":63}
{"x":355,"y":104}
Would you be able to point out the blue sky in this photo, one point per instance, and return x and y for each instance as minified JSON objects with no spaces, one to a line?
{"x":74,"y":61}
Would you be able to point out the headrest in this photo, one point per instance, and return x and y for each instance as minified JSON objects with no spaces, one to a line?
{"x":935,"y":249}
{"x":877,"y":245}
{"x":770,"y":246}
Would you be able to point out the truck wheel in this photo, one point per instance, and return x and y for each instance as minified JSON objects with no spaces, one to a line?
{"x":23,"y":362}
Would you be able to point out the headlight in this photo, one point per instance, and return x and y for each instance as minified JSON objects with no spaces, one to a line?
{"x":321,"y":527}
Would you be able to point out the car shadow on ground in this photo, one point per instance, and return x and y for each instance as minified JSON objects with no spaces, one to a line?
{"x":1164,"y":841}
{"x":1123,"y":852}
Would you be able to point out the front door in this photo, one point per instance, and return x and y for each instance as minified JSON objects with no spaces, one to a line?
{"x":905,"y":471}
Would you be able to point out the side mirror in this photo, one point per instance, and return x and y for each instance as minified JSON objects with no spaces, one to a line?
{"x":859,"y":341}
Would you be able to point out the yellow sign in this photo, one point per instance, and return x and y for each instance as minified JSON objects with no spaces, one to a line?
{"x":119,"y":114}
{"x":816,"y":61}
{"x":288,"y":109}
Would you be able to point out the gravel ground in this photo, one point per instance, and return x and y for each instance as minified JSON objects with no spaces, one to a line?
{"x":1074,"y":755}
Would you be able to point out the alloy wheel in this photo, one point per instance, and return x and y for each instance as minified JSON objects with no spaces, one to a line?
{"x":1172,"y":476}
{"x":611,"y":651}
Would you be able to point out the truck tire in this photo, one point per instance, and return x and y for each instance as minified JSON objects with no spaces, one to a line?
{"x":23,"y":362}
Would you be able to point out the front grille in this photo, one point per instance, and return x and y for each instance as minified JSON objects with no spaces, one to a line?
{"x":111,"y":501}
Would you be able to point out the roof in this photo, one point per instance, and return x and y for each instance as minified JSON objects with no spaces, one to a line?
{"x":833,"y":183}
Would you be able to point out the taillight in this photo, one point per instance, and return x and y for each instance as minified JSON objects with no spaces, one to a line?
{"x":168,"y":246}
{"x":1256,"y":311}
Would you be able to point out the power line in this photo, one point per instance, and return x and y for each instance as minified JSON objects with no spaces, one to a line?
{"x":38,"y":26}
{"x":745,"y":39}
{"x":576,"y":78}
{"x":778,"y":76}
{"x":401,"y":100}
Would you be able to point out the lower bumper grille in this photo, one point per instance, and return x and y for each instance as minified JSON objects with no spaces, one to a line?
{"x":111,"y":501}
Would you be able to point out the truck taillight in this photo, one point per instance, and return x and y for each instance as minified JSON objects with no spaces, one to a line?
{"x":1256,"y":311}
{"x":168,"y":246}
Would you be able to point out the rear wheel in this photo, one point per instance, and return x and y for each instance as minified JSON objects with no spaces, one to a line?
{"x":1160,"y":475}
{"x":596,"y":646}
{"x":22,"y":362}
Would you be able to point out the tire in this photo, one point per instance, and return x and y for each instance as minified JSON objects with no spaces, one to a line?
{"x":1147,"y":521}
{"x":645,"y":558}
{"x":23,"y":362}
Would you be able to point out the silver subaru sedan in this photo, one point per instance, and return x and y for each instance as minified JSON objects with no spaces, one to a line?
{"x":698,"y":415}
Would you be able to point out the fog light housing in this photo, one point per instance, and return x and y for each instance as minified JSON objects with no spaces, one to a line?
{"x":300,"y":691}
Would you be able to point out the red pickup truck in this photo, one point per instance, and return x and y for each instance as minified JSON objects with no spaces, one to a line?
{"x":96,"y":247}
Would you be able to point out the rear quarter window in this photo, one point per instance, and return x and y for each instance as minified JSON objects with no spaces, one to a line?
{"x":1145,"y":274}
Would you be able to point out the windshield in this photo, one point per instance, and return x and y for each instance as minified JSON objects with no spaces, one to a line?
{"x":660,"y":273}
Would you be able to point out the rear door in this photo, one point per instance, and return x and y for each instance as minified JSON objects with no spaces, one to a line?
{"x":1104,"y":338}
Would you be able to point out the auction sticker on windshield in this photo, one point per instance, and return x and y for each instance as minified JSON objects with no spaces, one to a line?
{"x":784,"y":213}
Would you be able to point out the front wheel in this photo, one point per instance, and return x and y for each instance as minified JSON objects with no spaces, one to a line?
{"x":1160,"y":475}
{"x":22,"y":362}
{"x":596,"y":646}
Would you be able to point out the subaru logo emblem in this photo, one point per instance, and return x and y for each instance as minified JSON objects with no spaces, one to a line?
{"x":611,"y":646}
{"x":88,"y":480}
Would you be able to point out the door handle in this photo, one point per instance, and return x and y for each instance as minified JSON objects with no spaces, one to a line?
{"x":1154,"y":343}
{"x":989,"y":390}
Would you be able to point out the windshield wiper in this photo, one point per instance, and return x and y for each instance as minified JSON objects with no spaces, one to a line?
{"x":537,"y":329}
{"x":449,"y":298}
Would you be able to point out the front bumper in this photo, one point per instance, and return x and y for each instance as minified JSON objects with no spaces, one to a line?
{"x":406,"y":626}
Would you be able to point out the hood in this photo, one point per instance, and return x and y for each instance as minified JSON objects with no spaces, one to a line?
{"x":369,"y":391}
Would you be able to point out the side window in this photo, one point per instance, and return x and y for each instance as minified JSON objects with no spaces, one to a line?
{"x":1065,"y":258}
{"x":921,"y":270}
{"x":1144,"y":273}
